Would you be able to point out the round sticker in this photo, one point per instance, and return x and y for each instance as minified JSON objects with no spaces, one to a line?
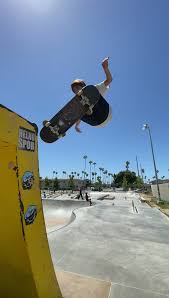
{"x":28,"y":180}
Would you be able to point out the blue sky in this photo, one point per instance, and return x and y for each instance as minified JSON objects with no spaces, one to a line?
{"x":47,"y":44}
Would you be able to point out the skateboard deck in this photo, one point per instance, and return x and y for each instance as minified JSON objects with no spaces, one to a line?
{"x":74,"y":110}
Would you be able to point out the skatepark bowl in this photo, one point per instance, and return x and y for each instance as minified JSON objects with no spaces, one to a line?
{"x":116,"y":248}
{"x":59,"y":213}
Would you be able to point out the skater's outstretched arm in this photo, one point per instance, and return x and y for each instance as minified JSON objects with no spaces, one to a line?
{"x":105,"y":65}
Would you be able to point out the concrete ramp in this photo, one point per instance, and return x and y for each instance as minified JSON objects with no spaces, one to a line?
{"x":59,"y":213}
{"x":25,"y":261}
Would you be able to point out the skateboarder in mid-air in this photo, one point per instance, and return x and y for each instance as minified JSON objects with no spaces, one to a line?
{"x":101,"y":113}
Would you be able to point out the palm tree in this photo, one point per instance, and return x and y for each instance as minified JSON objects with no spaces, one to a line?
{"x":95,"y":176}
{"x":90,"y":162}
{"x":127,"y":165}
{"x":85,"y":157}
{"x":104,"y":173}
{"x":94,"y":164}
{"x":112,"y":175}
{"x":109,"y":174}
{"x":78,"y":175}
{"x":100,"y":171}
{"x":83,"y":174}
{"x":64,"y":172}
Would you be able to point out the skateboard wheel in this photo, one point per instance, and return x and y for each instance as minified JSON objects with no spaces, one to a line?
{"x":46,"y":123}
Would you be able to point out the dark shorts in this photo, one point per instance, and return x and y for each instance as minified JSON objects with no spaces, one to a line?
{"x":99,"y":115}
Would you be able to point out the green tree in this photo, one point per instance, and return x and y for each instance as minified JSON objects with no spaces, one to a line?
{"x":90,"y":162}
{"x":139,"y":182}
{"x":124,"y":184}
{"x":130,"y":177}
{"x":93,"y":176}
{"x":56,"y":184}
{"x":47,"y":182}
{"x":94,"y":165}
{"x":98,"y":183}
{"x":127,"y":165}
{"x":84,"y":157}
{"x":71,"y":182}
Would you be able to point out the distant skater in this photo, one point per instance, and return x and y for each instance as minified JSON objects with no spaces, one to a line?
{"x":87,"y":199}
{"x":80,"y":194}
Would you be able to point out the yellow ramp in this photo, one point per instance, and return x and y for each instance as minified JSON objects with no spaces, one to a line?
{"x":25,"y":261}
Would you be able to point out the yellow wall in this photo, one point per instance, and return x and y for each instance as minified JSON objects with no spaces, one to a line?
{"x":25,"y":261}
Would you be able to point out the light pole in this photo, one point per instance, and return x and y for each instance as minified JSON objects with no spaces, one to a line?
{"x":146,"y":126}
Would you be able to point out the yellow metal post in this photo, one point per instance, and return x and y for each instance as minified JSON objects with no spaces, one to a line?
{"x":25,"y":260}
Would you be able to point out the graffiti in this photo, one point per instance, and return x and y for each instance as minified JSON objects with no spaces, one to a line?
{"x":30,"y":214}
{"x":28,"y":180}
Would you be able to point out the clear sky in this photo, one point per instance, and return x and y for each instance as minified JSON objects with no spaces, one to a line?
{"x":44,"y":45}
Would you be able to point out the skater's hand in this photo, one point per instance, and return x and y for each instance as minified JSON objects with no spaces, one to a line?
{"x":105,"y":63}
{"x":77,"y":129}
{"x":77,"y":126}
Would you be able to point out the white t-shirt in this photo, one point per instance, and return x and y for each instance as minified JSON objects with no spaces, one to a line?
{"x":102,"y":88}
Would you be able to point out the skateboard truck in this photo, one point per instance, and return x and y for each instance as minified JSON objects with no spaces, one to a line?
{"x":85,"y":101}
{"x":54,"y":129}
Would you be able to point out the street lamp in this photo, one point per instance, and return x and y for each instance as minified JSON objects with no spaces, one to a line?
{"x":146,"y":126}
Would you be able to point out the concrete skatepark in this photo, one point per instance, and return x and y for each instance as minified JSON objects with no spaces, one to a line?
{"x":118,"y":247}
{"x":108,"y":249}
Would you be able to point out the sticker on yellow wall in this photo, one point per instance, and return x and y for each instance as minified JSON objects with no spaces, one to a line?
{"x":28,"y":180}
{"x":30,"y":214}
{"x":26,"y":139}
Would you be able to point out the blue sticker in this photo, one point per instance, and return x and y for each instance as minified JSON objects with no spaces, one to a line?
{"x":28,"y":180}
{"x":30,"y":214}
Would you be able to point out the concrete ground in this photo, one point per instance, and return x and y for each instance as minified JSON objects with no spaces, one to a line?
{"x":117,"y":248}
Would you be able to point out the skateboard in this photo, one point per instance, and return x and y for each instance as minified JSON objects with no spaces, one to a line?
{"x":75,"y":109}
